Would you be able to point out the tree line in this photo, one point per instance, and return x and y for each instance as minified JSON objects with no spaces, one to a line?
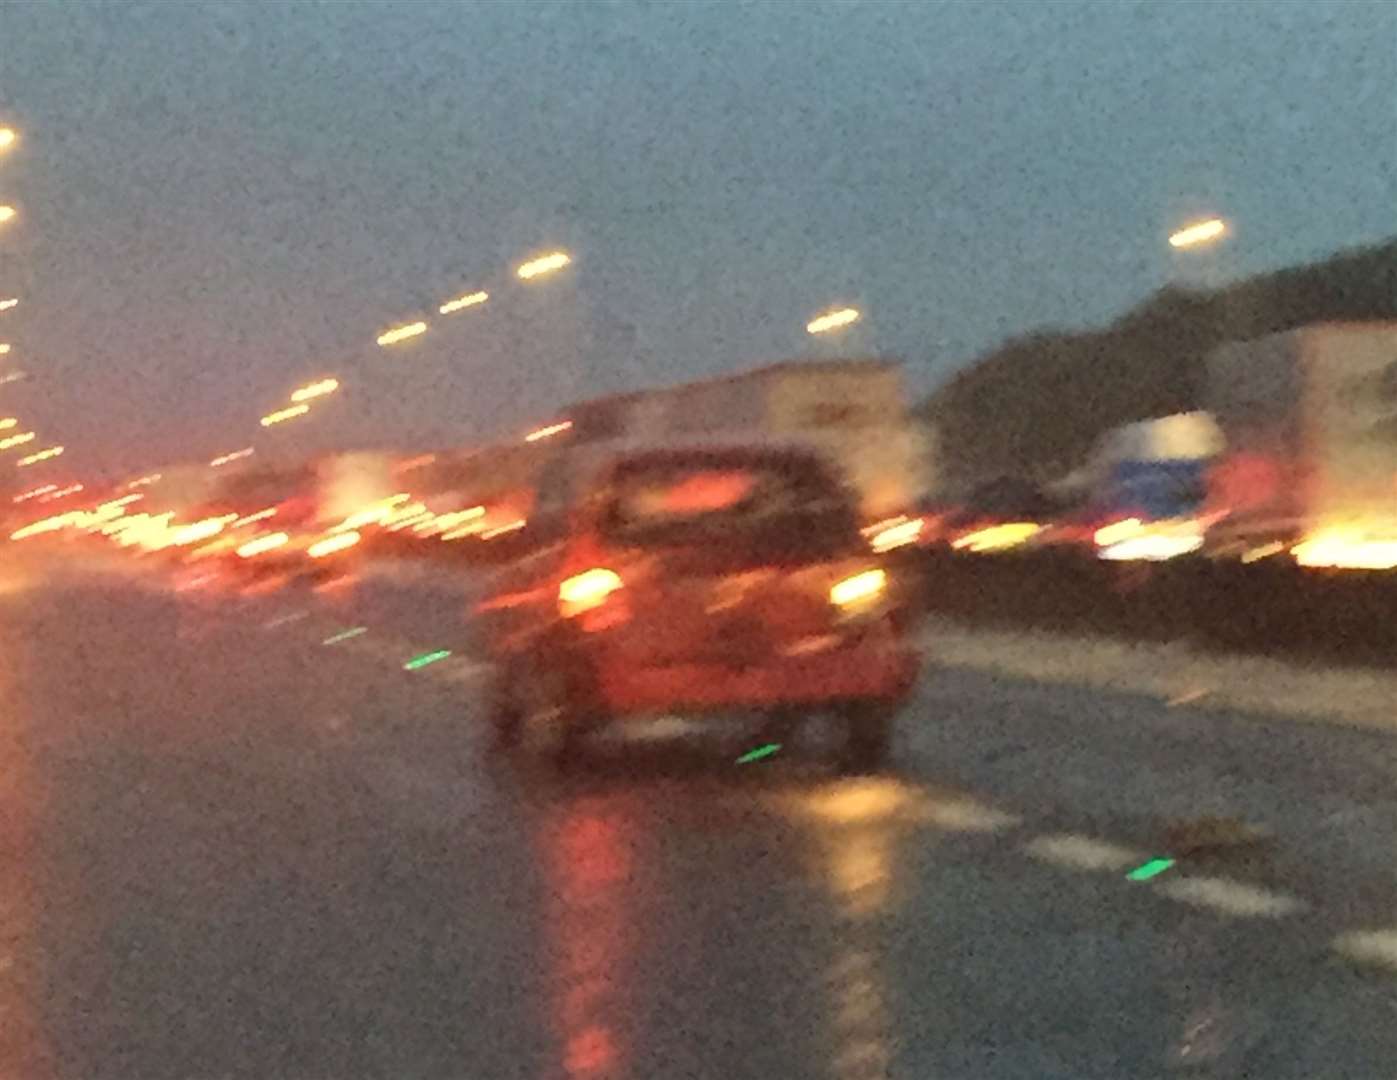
{"x":1035,"y":406}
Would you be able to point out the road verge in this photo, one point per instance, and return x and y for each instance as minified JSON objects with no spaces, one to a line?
{"x":1174,"y":672}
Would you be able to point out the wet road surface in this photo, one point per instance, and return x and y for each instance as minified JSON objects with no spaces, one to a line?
{"x":232,"y":849}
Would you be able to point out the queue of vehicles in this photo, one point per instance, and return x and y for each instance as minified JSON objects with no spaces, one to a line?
{"x":700,"y":549}
{"x":1293,"y":454}
{"x":253,"y":521}
{"x":736,"y":543}
{"x":1294,"y":451}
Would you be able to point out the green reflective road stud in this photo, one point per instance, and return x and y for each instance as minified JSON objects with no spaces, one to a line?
{"x":345,"y":635}
{"x":1151,"y":869}
{"x":759,"y":753}
{"x":425,"y":659}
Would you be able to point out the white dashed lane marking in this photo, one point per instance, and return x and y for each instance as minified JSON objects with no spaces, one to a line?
{"x":462,"y":671}
{"x":282,"y":620}
{"x":966,"y":816}
{"x":1081,"y":852}
{"x":1369,"y":947}
{"x":1068,"y":850}
{"x":863,"y":799}
{"x":1231,"y":897}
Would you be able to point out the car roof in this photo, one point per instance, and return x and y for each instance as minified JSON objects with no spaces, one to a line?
{"x":590,"y":463}
{"x":749,"y":447}
{"x":594,"y":459}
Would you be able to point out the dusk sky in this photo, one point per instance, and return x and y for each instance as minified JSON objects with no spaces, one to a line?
{"x":218,"y":202}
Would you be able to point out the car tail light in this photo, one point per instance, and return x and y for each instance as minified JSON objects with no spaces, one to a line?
{"x":859,"y":590}
{"x":332,"y":544}
{"x":587,"y":591}
{"x":894,"y":533}
{"x":263,"y":544}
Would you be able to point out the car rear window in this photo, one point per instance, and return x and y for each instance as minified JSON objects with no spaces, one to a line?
{"x":783,"y":504}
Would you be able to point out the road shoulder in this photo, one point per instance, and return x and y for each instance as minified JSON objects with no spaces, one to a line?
{"x":1172,"y":672}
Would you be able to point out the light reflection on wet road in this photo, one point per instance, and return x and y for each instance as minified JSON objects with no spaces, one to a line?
{"x":233,"y":850}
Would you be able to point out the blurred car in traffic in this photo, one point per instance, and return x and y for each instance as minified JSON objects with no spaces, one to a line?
{"x":696,"y":579}
{"x":1002,"y":514}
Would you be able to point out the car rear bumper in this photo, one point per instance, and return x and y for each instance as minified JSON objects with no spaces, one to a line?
{"x":882,"y":670}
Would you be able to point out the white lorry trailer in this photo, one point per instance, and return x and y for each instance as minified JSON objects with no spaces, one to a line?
{"x":1310,"y":466}
{"x":854,"y":411}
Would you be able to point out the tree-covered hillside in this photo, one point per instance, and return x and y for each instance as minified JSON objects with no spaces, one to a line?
{"x":1035,"y":405}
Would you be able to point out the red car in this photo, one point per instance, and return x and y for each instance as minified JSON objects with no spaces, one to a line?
{"x":696,"y":580}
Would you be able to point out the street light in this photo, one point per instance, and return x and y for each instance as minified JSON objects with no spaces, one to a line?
{"x":16,"y":440}
{"x":36,"y":493}
{"x":469,"y":300}
{"x":57,"y":492}
{"x":228,"y":459}
{"x":8,"y":135}
{"x":402,"y":333}
{"x":5,"y":305}
{"x":6,"y":213}
{"x":544,"y":264}
{"x":1200,"y":232}
{"x":282,"y":415}
{"x":832,"y":320}
{"x":315,"y":390}
{"x":549,"y":431}
{"x":4,"y":348}
{"x":42,"y":455}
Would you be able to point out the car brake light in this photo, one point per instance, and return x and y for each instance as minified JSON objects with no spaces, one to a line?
{"x":894,"y":533}
{"x":858,"y":589}
{"x":262,"y":544}
{"x":332,"y":544}
{"x":587,"y":591}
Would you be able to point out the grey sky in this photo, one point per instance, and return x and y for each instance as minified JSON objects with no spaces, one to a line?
{"x":221,"y":201}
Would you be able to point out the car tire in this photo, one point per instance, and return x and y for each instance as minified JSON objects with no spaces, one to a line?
{"x":868,"y":736}
{"x":506,"y":715}
{"x":780,"y":725}
{"x":553,"y":715}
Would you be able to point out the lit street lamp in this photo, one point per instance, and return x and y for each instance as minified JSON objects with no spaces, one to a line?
{"x":315,"y":390}
{"x":402,"y":333}
{"x":282,"y":415}
{"x":35,"y":493}
{"x":1198,"y":256}
{"x":1199,"y":233}
{"x":833,"y":320}
{"x":42,"y":455}
{"x":16,"y":440}
{"x":5,"y":305}
{"x":469,"y":300}
{"x":544,"y":264}
{"x":549,"y":431}
{"x":228,"y":459}
{"x":8,"y":135}
{"x":6,"y":213}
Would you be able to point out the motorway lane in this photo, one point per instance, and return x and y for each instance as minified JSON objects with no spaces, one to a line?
{"x":237,"y":851}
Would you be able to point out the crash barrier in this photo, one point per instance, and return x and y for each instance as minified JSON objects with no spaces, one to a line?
{"x":1270,"y":607}
{"x":464,"y":553}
